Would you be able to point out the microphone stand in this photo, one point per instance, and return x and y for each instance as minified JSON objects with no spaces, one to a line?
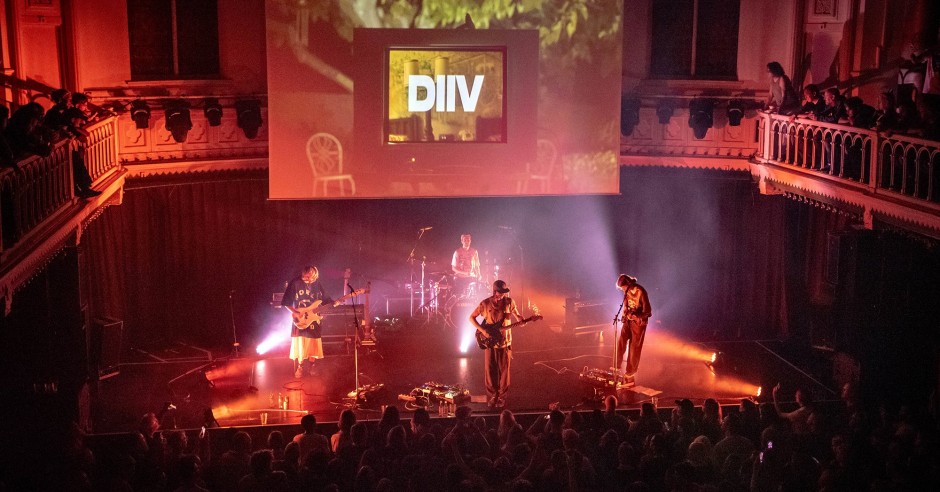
{"x":615,"y":365}
{"x":356,"y":343}
{"x":411,"y":273}
{"x":235,"y":344}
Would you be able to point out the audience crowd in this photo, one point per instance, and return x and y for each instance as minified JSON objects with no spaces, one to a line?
{"x":903,"y":108}
{"x":830,"y":446}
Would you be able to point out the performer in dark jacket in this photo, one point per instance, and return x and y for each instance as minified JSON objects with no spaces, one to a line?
{"x":635,"y":315}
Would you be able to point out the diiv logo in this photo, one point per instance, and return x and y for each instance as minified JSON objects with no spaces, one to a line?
{"x":443,"y":92}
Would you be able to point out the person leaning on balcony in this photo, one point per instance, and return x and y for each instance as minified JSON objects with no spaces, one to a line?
{"x":886,"y":116}
{"x":6,"y":152}
{"x":782,"y":98}
{"x":23,"y":133}
{"x":835,"y":107}
{"x":860,"y":115}
{"x":813,"y":103}
{"x":63,"y":118}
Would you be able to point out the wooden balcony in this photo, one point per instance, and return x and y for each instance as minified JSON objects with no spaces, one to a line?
{"x":890,"y":179}
{"x":39,"y":212}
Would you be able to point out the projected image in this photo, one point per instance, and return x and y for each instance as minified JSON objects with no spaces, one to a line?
{"x":390,"y":99}
{"x":445,"y":96}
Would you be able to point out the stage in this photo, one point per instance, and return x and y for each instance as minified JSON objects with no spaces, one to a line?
{"x":546,"y":368}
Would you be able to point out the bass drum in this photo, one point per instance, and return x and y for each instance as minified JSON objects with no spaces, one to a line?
{"x":458,"y":313}
{"x":475,"y":290}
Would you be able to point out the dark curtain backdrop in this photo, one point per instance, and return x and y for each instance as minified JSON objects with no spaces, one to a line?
{"x":171,"y":258}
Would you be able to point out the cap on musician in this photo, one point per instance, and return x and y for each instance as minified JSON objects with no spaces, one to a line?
{"x":500,"y":286}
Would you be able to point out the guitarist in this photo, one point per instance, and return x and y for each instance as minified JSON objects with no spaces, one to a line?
{"x":305,"y":345}
{"x":498,"y":309}
{"x":635,"y":315}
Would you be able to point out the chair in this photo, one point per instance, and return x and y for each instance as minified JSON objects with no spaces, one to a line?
{"x":325,"y":154}
{"x":540,"y":171}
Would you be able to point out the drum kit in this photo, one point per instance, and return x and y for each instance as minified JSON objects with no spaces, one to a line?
{"x":452,"y":297}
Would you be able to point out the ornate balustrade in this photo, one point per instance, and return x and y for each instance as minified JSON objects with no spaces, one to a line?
{"x":897,"y":166}
{"x":34,"y":192}
{"x":101,"y":153}
{"x":43,"y":185}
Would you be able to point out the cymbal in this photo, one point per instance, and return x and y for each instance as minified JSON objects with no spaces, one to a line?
{"x":441,"y":273}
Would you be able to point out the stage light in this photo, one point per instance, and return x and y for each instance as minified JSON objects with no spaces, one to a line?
{"x":248,"y":112}
{"x":757,"y":393}
{"x":664,"y":111}
{"x":213,"y":111}
{"x":735,"y":112}
{"x":278,"y":336}
{"x":700,"y":116}
{"x":178,"y":121}
{"x":714,"y":356}
{"x":140,"y":113}
{"x":629,"y":115}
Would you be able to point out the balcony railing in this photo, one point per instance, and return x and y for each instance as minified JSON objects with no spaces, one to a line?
{"x":44,"y":185}
{"x":897,"y":166}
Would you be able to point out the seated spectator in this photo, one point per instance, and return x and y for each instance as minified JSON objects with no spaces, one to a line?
{"x":347,"y":419}
{"x":262,"y":478}
{"x":228,"y":470}
{"x":420,"y":424}
{"x":647,"y":425}
{"x":733,"y":443}
{"x":886,"y":116}
{"x":311,"y":439}
{"x":614,"y":421}
{"x":711,"y":420}
{"x":23,"y":134}
{"x":908,"y":118}
{"x":834,"y":112}
{"x":276,"y":444}
{"x":189,"y":474}
{"x":465,"y":438}
{"x":813,"y":103}
{"x":859,"y":114}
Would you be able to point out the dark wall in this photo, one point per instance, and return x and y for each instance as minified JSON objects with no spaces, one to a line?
{"x":706,"y":246}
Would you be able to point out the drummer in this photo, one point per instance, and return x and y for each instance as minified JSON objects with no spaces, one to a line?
{"x":466,"y":265}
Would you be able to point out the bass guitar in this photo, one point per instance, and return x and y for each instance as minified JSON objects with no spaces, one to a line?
{"x":494,"y":332}
{"x":308,"y":315}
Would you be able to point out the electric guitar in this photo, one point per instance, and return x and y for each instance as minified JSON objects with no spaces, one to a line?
{"x":308,"y":315}
{"x":494,"y":332}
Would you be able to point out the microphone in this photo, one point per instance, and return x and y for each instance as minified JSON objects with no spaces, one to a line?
{"x":505,"y":227}
{"x":426,"y":228}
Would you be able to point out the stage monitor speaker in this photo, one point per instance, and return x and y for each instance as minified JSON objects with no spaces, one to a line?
{"x":584,"y":316}
{"x":105,"y":353}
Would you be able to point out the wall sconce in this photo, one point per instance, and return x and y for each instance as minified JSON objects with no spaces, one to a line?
{"x":629,"y":115}
{"x":249,"y":116}
{"x":700,"y":116}
{"x":735,"y":112}
{"x":664,"y":111}
{"x":213,"y":111}
{"x":178,"y":121}
{"x":140,"y":113}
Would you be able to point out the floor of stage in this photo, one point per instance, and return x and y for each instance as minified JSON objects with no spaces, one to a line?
{"x":546,"y":368}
